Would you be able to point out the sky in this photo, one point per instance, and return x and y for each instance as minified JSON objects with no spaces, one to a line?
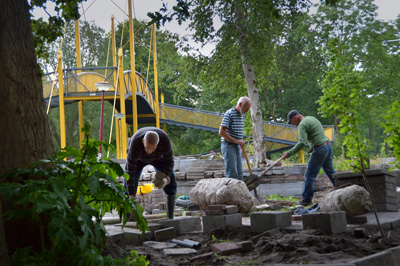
{"x":100,"y":11}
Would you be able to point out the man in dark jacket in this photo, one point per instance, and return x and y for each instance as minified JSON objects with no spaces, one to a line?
{"x":151,"y":145}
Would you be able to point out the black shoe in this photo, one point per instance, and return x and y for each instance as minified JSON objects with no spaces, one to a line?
{"x":305,"y":202}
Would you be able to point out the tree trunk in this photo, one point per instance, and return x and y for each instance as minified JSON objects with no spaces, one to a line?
{"x":259,"y":148}
{"x":25,"y":135}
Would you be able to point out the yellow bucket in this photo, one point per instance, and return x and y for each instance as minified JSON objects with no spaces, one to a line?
{"x":146,"y":188}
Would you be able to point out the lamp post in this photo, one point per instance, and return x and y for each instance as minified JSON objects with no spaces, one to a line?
{"x":119,"y":116}
{"x":103,"y":87}
{"x":384,"y":43}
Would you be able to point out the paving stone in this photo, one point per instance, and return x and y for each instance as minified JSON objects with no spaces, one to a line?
{"x":386,"y":258}
{"x":214,"y":212}
{"x":211,"y":223}
{"x":245,"y":246}
{"x":231,"y":209}
{"x":117,"y":236}
{"x":267,"y":220}
{"x":221,"y":207}
{"x":188,"y":224}
{"x":159,"y":245}
{"x":165,"y":234}
{"x":225,"y":248}
{"x":179,"y":251}
{"x":234,"y":220}
{"x":357,"y":220}
{"x":135,"y":237}
{"x":329,"y":222}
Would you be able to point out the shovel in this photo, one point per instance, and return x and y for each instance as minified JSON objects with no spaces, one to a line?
{"x":251,"y":181}
{"x":251,"y":174}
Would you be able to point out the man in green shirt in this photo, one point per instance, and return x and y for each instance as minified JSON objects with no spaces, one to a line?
{"x":311,"y":132}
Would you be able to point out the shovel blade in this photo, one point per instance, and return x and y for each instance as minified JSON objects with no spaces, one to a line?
{"x":253,"y":185}
{"x":249,"y":179}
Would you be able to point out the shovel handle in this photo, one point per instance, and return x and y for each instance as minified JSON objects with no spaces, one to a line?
{"x":247,"y":160}
{"x":269,"y":168}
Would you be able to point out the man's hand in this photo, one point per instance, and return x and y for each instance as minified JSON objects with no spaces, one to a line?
{"x":285,"y":155}
{"x":168,"y":180}
{"x":241,"y":143}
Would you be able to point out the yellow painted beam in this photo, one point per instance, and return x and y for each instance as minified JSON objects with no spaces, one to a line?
{"x":155,"y":76}
{"x":121,"y":87}
{"x":133,"y":73}
{"x":61,"y":100}
{"x":78,"y":47}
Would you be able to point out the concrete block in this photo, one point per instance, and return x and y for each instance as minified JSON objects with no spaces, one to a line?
{"x":116,"y":236}
{"x":264,"y":221}
{"x":386,"y":258}
{"x":234,"y":220}
{"x":135,"y":237}
{"x":245,"y":246}
{"x":383,"y":207}
{"x":159,"y":245}
{"x":165,"y":234}
{"x":396,"y":253}
{"x":357,"y":220}
{"x":165,"y":223}
{"x":188,"y":224}
{"x":211,"y":223}
{"x":226,"y":248}
{"x":329,"y":222}
{"x":231,"y":209}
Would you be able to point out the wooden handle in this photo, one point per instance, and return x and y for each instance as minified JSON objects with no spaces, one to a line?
{"x":269,"y":168}
{"x":247,"y":160}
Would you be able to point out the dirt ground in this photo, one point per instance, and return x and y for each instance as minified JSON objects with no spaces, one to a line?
{"x":286,"y":247}
{"x":302,"y":247}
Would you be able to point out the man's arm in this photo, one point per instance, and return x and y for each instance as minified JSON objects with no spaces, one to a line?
{"x":225,"y":135}
{"x":303,"y":136}
{"x":132,"y":159}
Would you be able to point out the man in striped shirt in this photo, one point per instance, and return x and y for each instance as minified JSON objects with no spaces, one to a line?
{"x":151,"y":145}
{"x":231,"y":131}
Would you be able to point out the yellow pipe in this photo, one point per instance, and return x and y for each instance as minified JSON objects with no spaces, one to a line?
{"x":61,"y":100}
{"x":155,"y":77}
{"x":164,"y":126}
{"x":118,"y":138}
{"x":121,"y":87}
{"x":81,"y":123}
{"x":133,"y":74}
{"x":113,"y":47}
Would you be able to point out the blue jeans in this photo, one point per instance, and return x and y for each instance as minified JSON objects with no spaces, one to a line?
{"x":233,"y":160}
{"x":320,"y":157}
{"x":169,"y":189}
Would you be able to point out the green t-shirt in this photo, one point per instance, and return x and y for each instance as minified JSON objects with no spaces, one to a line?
{"x":311,"y":132}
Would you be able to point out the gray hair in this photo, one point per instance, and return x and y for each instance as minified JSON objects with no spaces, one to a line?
{"x":243,"y":100}
{"x":151,"y":138}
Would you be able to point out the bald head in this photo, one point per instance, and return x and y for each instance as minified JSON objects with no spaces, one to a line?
{"x":150,"y":141}
{"x":243,"y":105}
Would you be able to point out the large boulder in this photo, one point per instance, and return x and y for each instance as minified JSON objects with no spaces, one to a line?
{"x":227,"y":191}
{"x":354,"y":200}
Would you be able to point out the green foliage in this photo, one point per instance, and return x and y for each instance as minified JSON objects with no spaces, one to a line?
{"x":67,"y":199}
{"x":392,"y":128}
{"x":343,"y":97}
{"x":278,"y":197}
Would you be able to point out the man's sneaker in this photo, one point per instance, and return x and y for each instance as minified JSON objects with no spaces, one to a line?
{"x":305,"y":202}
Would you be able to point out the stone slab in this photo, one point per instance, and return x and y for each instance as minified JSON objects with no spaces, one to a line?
{"x":225,"y":248}
{"x":329,"y":222}
{"x":159,"y":245}
{"x":165,"y":234}
{"x":267,"y":220}
{"x":179,"y":251}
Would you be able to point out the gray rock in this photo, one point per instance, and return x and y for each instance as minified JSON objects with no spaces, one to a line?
{"x":221,"y":191}
{"x":353,"y":200}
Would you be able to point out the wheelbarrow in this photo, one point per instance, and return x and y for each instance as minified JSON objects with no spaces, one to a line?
{"x":252,"y":181}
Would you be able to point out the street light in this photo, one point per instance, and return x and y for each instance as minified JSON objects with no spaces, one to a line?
{"x":384,"y":43}
{"x":119,"y":116}
{"x":103,"y":87}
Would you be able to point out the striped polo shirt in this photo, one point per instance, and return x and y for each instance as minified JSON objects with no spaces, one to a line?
{"x":234,"y":122}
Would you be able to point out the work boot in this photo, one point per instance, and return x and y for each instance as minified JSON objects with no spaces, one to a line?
{"x":170,"y":206}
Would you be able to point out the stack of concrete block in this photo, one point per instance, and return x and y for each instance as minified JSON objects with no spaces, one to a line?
{"x":220,"y":217}
{"x":382,"y":184}
{"x":269,"y":220}
{"x":205,"y":169}
{"x":329,"y":222}
{"x":180,"y":175}
{"x":153,"y":198}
